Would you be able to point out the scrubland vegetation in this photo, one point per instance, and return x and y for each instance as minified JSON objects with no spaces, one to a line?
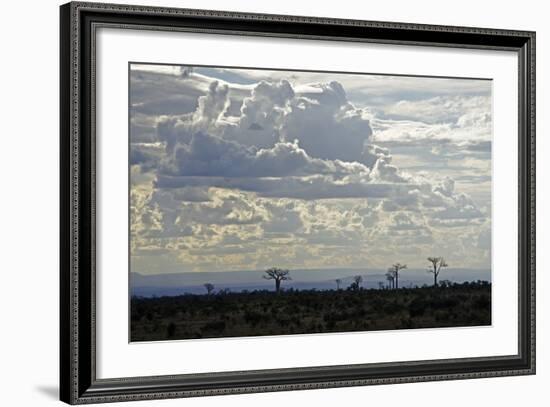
{"x":282,"y":312}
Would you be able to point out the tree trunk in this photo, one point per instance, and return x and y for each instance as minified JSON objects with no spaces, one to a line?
{"x":396,"y":280}
{"x":435,"y":279}
{"x":277,"y":286}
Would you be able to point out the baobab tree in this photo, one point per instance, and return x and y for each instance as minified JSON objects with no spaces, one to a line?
{"x":357,"y":280}
{"x":278,"y":275}
{"x":391,"y":278}
{"x":395,"y":269}
{"x":338,"y":282}
{"x":209,"y":288}
{"x":437,"y":263}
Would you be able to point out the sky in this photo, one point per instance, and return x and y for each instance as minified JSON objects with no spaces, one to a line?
{"x":246,"y":169}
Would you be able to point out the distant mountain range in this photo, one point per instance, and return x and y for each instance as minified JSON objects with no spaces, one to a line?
{"x":321,"y":279}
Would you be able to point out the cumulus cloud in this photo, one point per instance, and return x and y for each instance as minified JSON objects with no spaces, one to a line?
{"x":265,"y":105}
{"x":384,"y":171}
{"x":327,"y":125}
{"x":338,"y":161}
{"x":211,"y":106}
{"x":324,"y":122}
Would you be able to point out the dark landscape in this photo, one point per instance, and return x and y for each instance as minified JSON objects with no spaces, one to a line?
{"x":224,"y":313}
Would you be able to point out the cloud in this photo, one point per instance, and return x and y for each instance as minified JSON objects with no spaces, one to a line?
{"x":285,"y":216}
{"x":192,"y":194}
{"x":324,"y":122}
{"x":383,"y":171}
{"x":148,"y":155}
{"x":208,"y":155}
{"x":244,"y":175}
{"x":306,"y":188}
{"x":404,"y":221}
{"x":211,"y":106}
{"x":327,"y":125}
{"x":266,"y":104}
{"x":461,"y":110}
{"x":191,"y":219}
{"x":336,"y":163}
{"x":449,"y":204}
{"x":160,"y":94}
{"x":458,"y":120}
{"x":374,"y":90}
{"x":261,"y":115}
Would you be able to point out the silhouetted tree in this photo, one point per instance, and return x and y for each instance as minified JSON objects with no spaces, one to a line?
{"x":209,"y":288}
{"x":357,"y":280}
{"x":278,"y":275}
{"x":338,"y":282}
{"x":437,"y":263}
{"x":395,"y":269}
{"x":380,"y":285}
{"x":391,"y":278}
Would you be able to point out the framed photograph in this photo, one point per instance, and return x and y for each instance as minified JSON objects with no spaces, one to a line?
{"x":309,"y":202}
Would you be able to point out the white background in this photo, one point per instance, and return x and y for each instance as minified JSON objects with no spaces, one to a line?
{"x":117,"y":358}
{"x":29,"y":205}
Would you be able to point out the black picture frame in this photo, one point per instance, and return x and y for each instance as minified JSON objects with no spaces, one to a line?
{"x":78,"y":382}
